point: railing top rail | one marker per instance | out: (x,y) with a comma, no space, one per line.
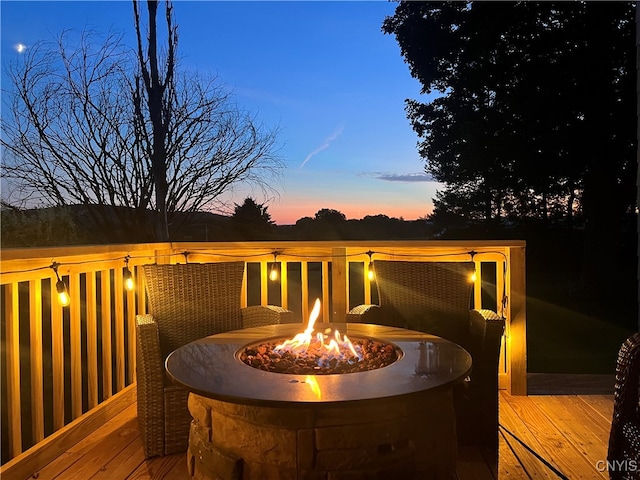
(9,254)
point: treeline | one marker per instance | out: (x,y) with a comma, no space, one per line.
(72,225)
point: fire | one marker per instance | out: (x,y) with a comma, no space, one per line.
(321,345)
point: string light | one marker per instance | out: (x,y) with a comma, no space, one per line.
(127,275)
(474,275)
(63,293)
(64,298)
(370,273)
(273,273)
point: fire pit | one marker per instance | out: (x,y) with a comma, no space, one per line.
(395,421)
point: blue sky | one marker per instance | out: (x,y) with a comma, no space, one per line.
(321,71)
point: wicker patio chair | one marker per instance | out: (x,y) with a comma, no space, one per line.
(624,439)
(186,302)
(435,297)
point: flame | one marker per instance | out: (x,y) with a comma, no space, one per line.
(301,342)
(323,346)
(313,383)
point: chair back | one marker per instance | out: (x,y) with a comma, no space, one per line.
(624,438)
(432,297)
(193,300)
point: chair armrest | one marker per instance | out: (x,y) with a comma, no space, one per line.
(479,400)
(150,378)
(364,314)
(485,330)
(149,361)
(485,338)
(261,315)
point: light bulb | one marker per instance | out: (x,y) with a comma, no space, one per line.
(63,294)
(273,274)
(474,276)
(128,280)
(370,272)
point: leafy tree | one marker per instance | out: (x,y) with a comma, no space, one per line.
(252,212)
(536,112)
(252,220)
(329,224)
(126,132)
(330,215)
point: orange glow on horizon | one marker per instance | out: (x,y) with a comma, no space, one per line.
(289,214)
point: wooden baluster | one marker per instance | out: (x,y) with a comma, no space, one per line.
(92,341)
(340,283)
(57,358)
(284,287)
(12,341)
(118,287)
(477,285)
(244,292)
(304,283)
(131,335)
(264,283)
(107,354)
(75,345)
(326,298)
(36,349)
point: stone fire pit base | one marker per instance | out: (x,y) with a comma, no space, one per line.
(410,437)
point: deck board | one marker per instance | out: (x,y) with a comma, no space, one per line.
(121,466)
(171,467)
(525,422)
(592,420)
(603,404)
(569,431)
(581,442)
(84,459)
(509,466)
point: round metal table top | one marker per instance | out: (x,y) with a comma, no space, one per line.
(210,367)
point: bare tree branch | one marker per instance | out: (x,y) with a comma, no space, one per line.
(96,123)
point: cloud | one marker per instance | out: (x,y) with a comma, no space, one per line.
(402,177)
(324,145)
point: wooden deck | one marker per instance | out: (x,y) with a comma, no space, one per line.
(541,436)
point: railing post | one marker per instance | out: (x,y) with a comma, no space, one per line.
(516,329)
(339,284)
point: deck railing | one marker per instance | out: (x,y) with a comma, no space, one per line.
(62,362)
